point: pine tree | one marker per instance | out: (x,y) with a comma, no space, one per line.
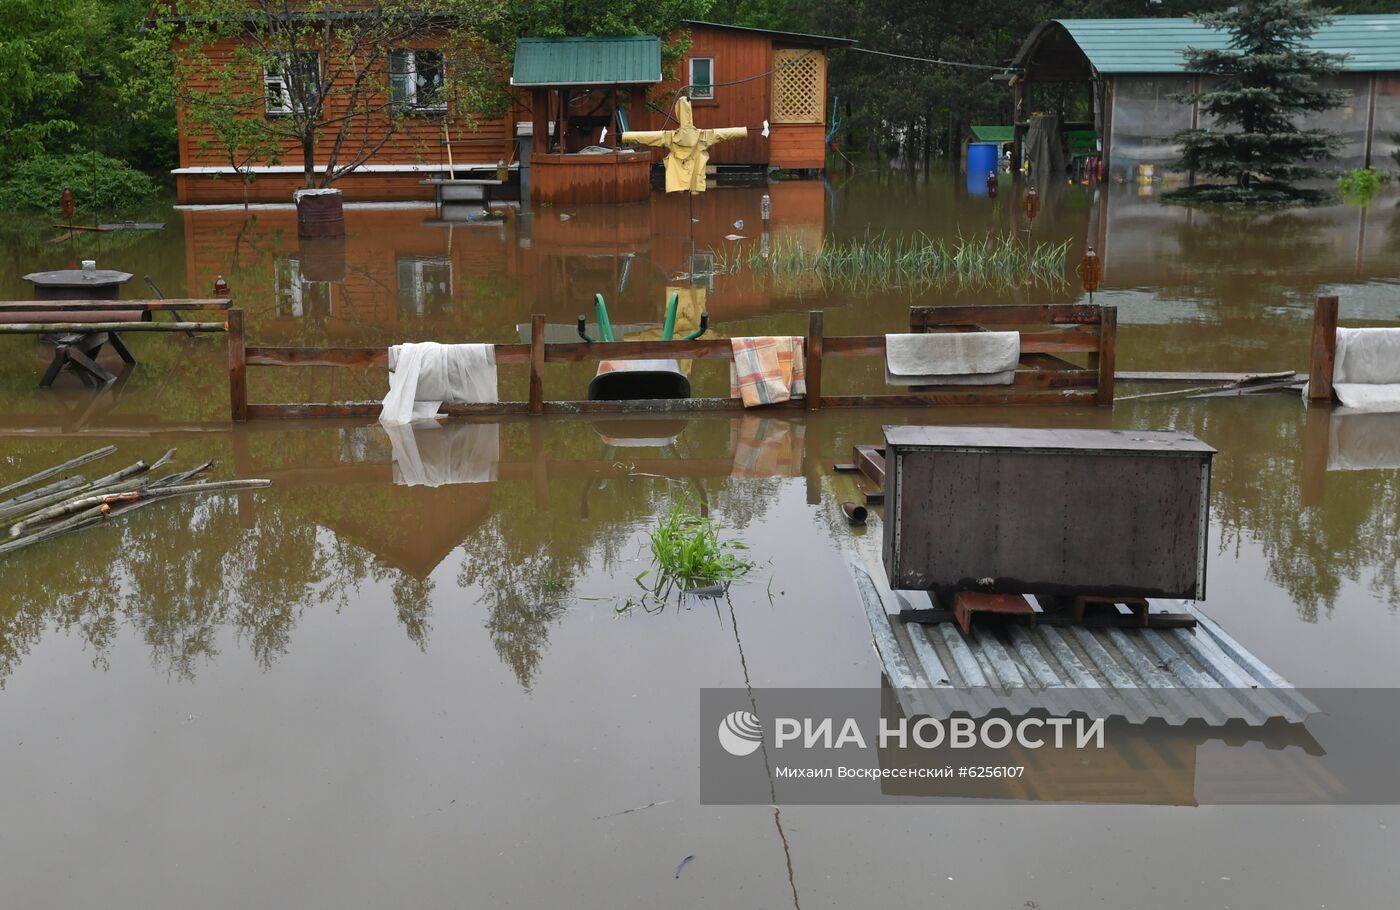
(1267,80)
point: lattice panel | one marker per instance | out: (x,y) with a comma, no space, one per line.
(799,86)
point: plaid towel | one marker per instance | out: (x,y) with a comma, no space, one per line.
(767,369)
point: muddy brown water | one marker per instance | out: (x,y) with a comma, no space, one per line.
(343,691)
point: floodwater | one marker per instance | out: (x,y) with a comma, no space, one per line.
(344,691)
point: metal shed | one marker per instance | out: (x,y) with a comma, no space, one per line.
(1134,67)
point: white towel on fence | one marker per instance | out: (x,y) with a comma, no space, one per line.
(422,376)
(430,454)
(1367,372)
(952,358)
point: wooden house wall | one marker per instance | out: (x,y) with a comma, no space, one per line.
(739,55)
(418,141)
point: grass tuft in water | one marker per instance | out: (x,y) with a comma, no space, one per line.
(879,262)
(689,553)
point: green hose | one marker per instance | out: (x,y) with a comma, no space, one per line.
(605,332)
(672,305)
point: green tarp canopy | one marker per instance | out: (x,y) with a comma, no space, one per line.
(549,62)
(993,133)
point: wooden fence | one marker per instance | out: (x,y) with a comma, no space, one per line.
(1043,378)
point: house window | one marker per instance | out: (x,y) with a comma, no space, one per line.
(416,80)
(799,85)
(702,77)
(297,77)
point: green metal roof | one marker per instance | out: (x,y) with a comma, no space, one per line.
(994,133)
(629,60)
(1371,43)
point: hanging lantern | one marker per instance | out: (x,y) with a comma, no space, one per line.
(502,171)
(1090,271)
(1032,204)
(991,183)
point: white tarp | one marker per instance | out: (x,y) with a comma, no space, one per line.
(1367,371)
(424,375)
(952,358)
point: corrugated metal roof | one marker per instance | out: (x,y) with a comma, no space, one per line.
(1370,43)
(1176,675)
(626,60)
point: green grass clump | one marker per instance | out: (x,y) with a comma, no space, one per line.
(877,262)
(689,553)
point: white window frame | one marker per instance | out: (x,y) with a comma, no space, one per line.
(709,92)
(410,105)
(276,81)
(416,269)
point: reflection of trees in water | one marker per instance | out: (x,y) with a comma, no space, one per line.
(1255,491)
(182,573)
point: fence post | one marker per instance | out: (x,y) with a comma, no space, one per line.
(1324,349)
(237,368)
(814,359)
(1108,341)
(537,364)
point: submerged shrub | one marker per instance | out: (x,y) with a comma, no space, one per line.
(98,183)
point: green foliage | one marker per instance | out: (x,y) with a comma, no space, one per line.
(1362,184)
(83,74)
(689,553)
(877,262)
(1266,81)
(99,184)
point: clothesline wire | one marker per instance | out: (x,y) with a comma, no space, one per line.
(973,66)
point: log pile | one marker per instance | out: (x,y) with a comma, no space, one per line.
(74,503)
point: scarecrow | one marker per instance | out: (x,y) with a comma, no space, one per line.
(689,148)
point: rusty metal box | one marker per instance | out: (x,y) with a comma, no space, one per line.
(1046,511)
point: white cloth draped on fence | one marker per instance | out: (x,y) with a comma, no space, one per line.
(952,358)
(424,375)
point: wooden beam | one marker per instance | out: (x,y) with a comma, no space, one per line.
(814,352)
(47,328)
(1324,349)
(237,369)
(1010,314)
(149,306)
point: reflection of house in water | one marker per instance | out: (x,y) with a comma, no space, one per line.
(400,270)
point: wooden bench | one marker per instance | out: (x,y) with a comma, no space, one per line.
(78,330)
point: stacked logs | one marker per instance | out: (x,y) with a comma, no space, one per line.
(74,503)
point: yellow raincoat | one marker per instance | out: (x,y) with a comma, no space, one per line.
(689,148)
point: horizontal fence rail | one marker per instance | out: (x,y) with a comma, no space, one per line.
(1042,379)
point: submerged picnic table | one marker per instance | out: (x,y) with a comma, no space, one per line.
(79,329)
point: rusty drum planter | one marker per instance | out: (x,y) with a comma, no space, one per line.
(320,214)
(1043,511)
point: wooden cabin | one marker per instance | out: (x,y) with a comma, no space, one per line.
(755,75)
(736,76)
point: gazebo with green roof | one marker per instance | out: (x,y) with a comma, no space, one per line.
(1127,72)
(575,84)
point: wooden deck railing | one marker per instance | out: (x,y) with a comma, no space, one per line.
(1044,378)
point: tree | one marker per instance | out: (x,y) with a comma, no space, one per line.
(1267,80)
(328,78)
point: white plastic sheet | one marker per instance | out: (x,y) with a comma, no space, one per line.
(424,375)
(1366,376)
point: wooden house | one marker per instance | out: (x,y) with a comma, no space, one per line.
(736,77)
(754,75)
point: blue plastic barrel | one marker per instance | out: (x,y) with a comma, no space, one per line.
(981,160)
